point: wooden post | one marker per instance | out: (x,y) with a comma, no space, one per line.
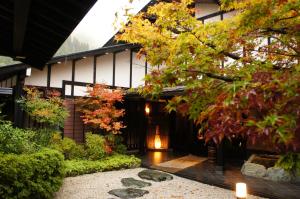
(220,157)
(17,94)
(143,126)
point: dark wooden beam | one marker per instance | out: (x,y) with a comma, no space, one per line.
(130,72)
(146,66)
(49,75)
(17,94)
(21,10)
(114,70)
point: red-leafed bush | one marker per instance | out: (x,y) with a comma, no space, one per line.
(99,108)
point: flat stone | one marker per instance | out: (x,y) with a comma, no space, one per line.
(131,182)
(254,170)
(278,175)
(156,176)
(128,193)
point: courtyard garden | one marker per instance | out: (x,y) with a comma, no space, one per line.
(35,161)
(236,83)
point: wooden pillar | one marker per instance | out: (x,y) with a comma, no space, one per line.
(17,94)
(143,126)
(220,157)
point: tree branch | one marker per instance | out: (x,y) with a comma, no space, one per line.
(215,76)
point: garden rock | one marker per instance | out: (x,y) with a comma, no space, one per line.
(278,175)
(154,175)
(128,193)
(131,182)
(254,170)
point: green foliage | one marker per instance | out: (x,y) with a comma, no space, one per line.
(290,162)
(36,175)
(96,146)
(67,146)
(16,140)
(241,75)
(43,136)
(50,110)
(116,143)
(114,162)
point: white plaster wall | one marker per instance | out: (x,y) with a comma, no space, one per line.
(84,70)
(213,19)
(68,89)
(80,91)
(104,69)
(122,77)
(203,9)
(60,72)
(37,77)
(229,14)
(138,70)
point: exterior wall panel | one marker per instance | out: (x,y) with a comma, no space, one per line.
(84,70)
(60,72)
(122,69)
(203,9)
(37,78)
(104,69)
(138,71)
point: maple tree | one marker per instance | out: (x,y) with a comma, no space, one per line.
(241,74)
(99,108)
(45,108)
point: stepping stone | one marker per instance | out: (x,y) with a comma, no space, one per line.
(128,193)
(131,182)
(156,176)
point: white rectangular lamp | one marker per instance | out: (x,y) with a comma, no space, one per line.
(241,190)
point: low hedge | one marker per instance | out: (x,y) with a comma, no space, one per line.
(114,162)
(36,175)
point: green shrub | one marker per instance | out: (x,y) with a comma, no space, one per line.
(116,143)
(290,162)
(67,146)
(36,175)
(43,136)
(96,147)
(16,140)
(114,162)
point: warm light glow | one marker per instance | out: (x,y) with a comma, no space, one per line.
(241,190)
(157,142)
(157,157)
(147,109)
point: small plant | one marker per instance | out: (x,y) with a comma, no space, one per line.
(16,140)
(99,108)
(116,143)
(49,110)
(114,162)
(36,175)
(290,162)
(67,146)
(96,147)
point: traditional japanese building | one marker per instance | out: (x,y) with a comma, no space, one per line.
(116,65)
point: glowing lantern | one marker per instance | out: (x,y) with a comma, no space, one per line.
(147,109)
(241,190)
(157,140)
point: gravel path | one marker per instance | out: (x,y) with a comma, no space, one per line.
(97,185)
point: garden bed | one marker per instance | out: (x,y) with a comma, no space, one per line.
(114,162)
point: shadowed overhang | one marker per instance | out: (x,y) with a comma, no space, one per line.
(33,30)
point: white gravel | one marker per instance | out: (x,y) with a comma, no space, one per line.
(97,185)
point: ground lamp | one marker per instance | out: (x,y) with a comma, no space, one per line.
(241,190)
(157,140)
